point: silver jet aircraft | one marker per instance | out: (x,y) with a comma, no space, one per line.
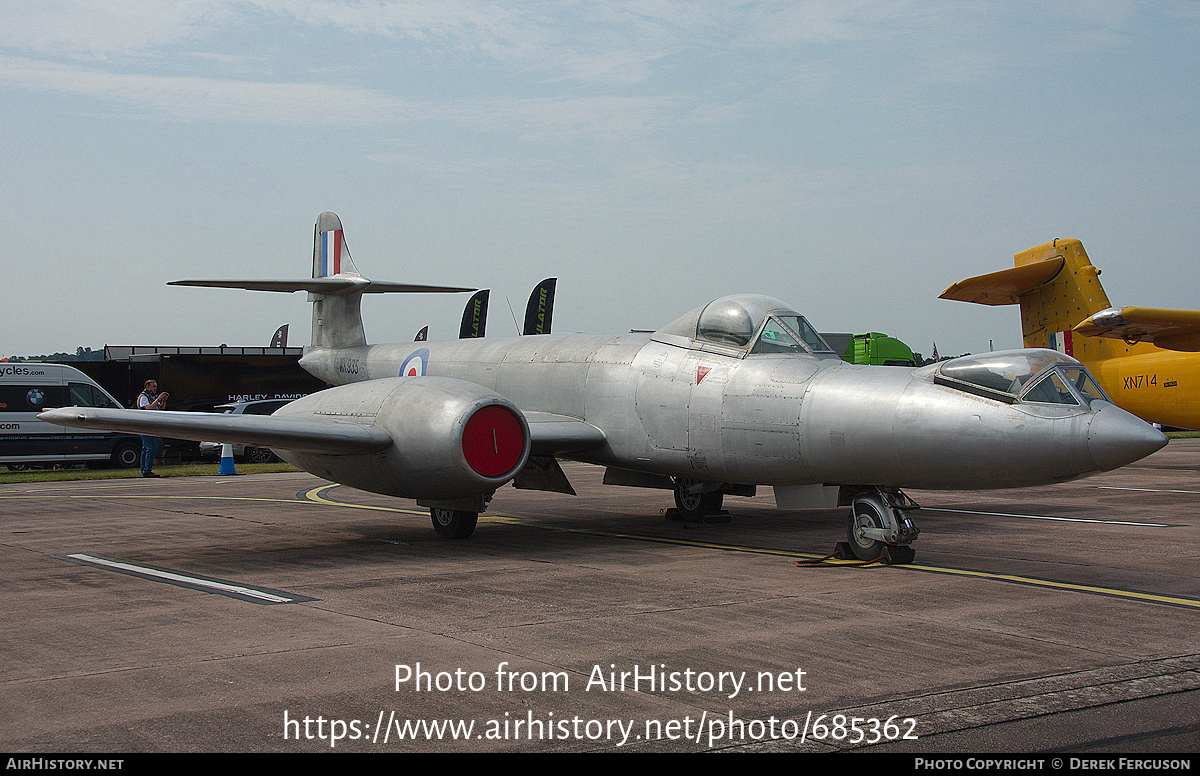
(737,393)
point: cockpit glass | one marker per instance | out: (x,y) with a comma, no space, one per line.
(775,338)
(1085,384)
(800,326)
(1051,389)
(742,324)
(1042,376)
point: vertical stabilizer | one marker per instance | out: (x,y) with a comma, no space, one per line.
(337,318)
(331,257)
(1057,288)
(1050,311)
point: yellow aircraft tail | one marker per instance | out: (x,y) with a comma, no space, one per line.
(1064,307)
(1057,288)
(1144,358)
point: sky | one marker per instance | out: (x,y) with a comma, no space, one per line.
(850,158)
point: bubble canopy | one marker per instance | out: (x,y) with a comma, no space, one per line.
(1033,375)
(745,324)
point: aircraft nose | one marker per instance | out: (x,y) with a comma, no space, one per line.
(1116,437)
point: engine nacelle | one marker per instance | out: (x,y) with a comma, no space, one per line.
(451,439)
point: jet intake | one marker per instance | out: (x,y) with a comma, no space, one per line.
(493,441)
(450,439)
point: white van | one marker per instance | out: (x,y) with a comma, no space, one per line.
(27,388)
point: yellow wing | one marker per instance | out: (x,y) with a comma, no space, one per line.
(1168,329)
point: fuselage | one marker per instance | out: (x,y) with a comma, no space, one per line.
(1155,384)
(766,419)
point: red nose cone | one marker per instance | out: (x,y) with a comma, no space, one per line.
(493,441)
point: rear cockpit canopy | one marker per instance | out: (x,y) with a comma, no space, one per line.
(744,324)
(1033,375)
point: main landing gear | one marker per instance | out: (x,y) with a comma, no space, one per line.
(880,527)
(453,523)
(456,519)
(696,499)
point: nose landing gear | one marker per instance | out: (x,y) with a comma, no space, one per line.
(880,526)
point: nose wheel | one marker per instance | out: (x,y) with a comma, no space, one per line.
(694,503)
(880,526)
(453,523)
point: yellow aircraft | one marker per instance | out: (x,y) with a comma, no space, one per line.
(1147,360)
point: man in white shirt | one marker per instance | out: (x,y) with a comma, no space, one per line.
(150,399)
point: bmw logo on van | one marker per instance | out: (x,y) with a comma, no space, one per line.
(36,397)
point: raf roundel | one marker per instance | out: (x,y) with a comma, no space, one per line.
(414,365)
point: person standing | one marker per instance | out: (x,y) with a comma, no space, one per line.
(150,399)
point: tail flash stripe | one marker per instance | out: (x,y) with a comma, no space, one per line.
(1062,341)
(331,252)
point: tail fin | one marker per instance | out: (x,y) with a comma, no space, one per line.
(336,316)
(1057,288)
(331,257)
(335,289)
(1050,312)
(1064,307)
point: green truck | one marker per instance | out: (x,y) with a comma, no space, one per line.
(878,349)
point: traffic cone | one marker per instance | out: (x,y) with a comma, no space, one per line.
(226,460)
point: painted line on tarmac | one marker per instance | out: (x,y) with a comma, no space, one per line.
(1144,490)
(1131,595)
(251,593)
(1048,517)
(80,488)
(313,496)
(1108,592)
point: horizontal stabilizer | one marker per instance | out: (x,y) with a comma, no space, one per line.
(1168,329)
(332,437)
(1006,286)
(554,434)
(328,285)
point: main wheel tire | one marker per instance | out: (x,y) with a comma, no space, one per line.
(694,506)
(260,455)
(453,523)
(127,455)
(865,514)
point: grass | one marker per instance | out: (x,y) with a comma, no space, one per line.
(183,470)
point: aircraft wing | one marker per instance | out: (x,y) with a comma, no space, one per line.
(1169,329)
(553,434)
(330,436)
(1006,286)
(549,434)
